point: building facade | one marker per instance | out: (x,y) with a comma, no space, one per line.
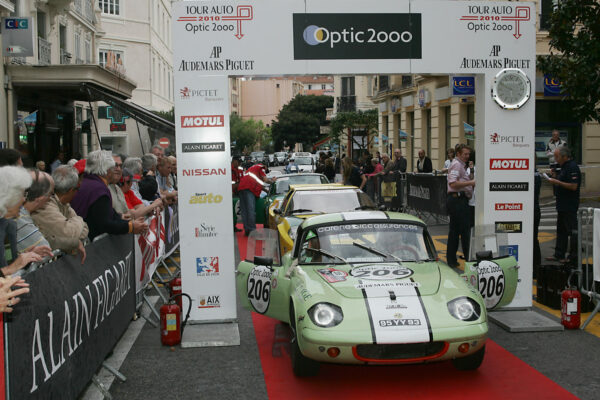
(419,112)
(137,42)
(262,99)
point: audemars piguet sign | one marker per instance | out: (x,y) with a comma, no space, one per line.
(216,39)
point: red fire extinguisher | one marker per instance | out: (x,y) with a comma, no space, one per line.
(171,328)
(175,288)
(570,302)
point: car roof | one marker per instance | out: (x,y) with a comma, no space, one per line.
(361,216)
(323,186)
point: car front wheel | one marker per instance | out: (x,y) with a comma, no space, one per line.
(301,365)
(470,362)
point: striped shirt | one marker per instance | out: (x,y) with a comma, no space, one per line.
(28,234)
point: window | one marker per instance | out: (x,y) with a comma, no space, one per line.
(77,46)
(107,58)
(309,87)
(323,87)
(41,24)
(448,127)
(109,7)
(348,86)
(546,13)
(88,51)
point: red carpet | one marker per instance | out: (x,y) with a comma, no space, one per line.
(501,376)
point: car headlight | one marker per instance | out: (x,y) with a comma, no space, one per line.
(325,315)
(464,309)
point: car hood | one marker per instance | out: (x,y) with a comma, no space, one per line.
(379,279)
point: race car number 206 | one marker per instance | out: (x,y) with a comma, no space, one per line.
(259,288)
(381,272)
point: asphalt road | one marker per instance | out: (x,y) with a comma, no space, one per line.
(570,358)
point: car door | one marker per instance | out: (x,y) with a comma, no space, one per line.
(261,279)
(496,279)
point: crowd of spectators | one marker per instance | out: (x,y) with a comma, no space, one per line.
(43,215)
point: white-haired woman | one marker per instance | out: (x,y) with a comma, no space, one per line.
(13,181)
(93,201)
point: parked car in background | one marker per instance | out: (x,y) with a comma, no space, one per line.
(281,158)
(271,160)
(259,157)
(305,163)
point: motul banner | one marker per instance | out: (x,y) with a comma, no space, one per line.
(59,334)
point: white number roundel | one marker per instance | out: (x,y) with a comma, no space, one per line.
(491,283)
(259,288)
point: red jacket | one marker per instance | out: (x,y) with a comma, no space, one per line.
(253,179)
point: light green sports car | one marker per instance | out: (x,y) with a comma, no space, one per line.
(366,287)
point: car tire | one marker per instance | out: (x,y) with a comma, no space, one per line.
(470,362)
(301,365)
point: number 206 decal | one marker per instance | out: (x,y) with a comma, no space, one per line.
(259,288)
(491,283)
(381,272)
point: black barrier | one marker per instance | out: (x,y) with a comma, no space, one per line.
(427,193)
(59,334)
(171,229)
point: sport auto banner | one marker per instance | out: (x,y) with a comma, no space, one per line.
(59,334)
(426,193)
(171,223)
(149,249)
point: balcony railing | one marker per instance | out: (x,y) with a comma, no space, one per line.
(44,51)
(346,104)
(65,57)
(85,8)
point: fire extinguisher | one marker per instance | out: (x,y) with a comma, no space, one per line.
(175,289)
(171,328)
(570,302)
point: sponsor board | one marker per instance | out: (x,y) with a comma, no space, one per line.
(508,226)
(203,171)
(209,301)
(202,121)
(205,230)
(509,164)
(509,186)
(420,192)
(357,36)
(508,207)
(463,86)
(514,140)
(204,198)
(207,266)
(202,147)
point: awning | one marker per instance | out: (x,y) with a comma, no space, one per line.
(133,110)
(321,142)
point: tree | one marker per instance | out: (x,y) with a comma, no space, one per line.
(300,120)
(575,55)
(359,123)
(168,115)
(246,134)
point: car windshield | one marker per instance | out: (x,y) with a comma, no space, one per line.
(280,154)
(358,242)
(303,160)
(282,185)
(328,201)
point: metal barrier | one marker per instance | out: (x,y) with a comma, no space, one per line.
(426,196)
(585,256)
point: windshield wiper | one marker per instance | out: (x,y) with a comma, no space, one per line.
(326,253)
(366,207)
(375,251)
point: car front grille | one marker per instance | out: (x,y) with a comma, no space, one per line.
(400,352)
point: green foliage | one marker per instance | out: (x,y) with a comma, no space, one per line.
(247,134)
(299,121)
(575,55)
(360,123)
(168,115)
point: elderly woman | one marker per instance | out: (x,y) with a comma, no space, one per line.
(13,181)
(93,201)
(136,207)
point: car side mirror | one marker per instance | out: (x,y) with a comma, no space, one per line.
(484,255)
(267,261)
